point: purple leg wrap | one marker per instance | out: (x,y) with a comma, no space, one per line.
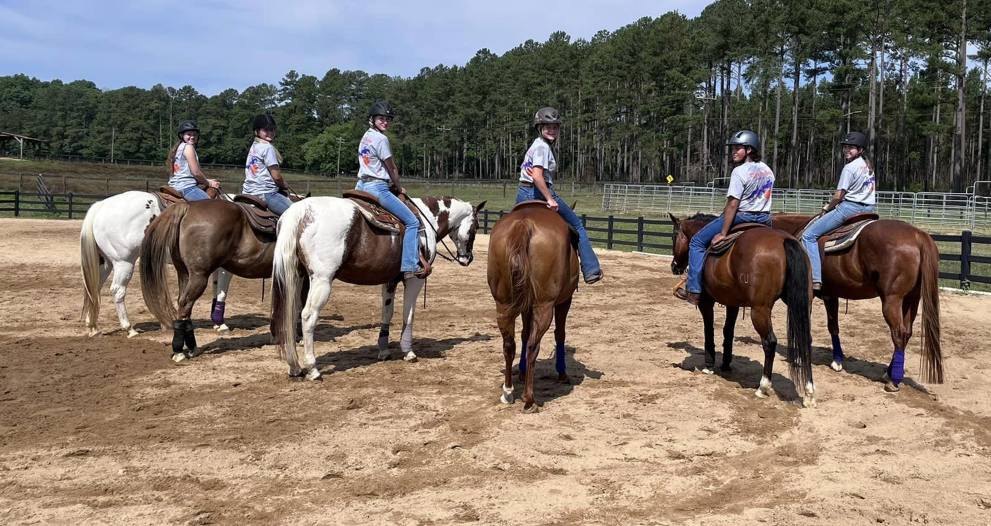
(523,358)
(837,349)
(559,363)
(217,316)
(896,371)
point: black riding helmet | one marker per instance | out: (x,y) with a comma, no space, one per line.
(745,138)
(856,139)
(186,126)
(260,122)
(547,115)
(381,108)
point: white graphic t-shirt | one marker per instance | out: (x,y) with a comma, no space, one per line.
(858,181)
(539,154)
(182,178)
(752,183)
(373,150)
(257,179)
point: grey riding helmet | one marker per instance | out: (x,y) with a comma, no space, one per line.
(547,115)
(745,138)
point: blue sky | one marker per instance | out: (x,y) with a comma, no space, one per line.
(218,44)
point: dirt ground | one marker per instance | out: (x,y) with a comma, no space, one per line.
(109,431)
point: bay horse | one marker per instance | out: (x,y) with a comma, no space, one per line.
(326,238)
(533,272)
(897,262)
(110,240)
(762,266)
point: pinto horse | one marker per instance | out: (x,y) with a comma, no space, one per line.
(533,271)
(110,240)
(899,263)
(326,238)
(762,266)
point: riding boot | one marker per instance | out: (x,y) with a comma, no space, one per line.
(178,334)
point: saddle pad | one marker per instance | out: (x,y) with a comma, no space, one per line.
(166,199)
(262,221)
(718,248)
(843,237)
(374,214)
(251,200)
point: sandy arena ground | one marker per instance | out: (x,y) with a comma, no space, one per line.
(109,431)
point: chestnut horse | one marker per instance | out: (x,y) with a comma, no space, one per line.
(761,266)
(899,263)
(200,237)
(533,271)
(326,238)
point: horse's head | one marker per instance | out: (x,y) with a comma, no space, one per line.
(464,226)
(680,261)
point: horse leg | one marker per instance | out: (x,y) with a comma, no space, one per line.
(891,307)
(316,298)
(192,288)
(105,268)
(524,334)
(728,332)
(123,270)
(411,289)
(388,308)
(560,321)
(706,305)
(761,317)
(833,324)
(507,327)
(542,315)
(221,283)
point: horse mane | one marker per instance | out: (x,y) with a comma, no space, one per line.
(700,216)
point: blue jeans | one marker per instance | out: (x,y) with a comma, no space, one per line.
(589,263)
(380,189)
(277,202)
(830,221)
(194,193)
(700,243)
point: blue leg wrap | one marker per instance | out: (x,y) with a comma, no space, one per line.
(896,371)
(559,364)
(217,315)
(837,349)
(523,358)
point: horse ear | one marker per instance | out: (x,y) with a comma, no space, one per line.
(574,205)
(674,219)
(480,205)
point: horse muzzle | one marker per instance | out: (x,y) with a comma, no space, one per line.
(677,270)
(464,261)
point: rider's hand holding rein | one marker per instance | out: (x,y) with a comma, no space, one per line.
(191,138)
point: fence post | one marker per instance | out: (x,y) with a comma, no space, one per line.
(108,188)
(640,234)
(485,221)
(452,187)
(147,187)
(65,189)
(427,191)
(609,234)
(340,191)
(505,185)
(965,246)
(70,206)
(20,181)
(17,202)
(585,220)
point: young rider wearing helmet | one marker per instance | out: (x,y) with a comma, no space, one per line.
(537,182)
(854,195)
(262,176)
(376,170)
(748,200)
(186,176)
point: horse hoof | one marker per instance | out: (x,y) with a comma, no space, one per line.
(726,369)
(410,357)
(179,357)
(531,409)
(222,329)
(706,370)
(314,375)
(383,356)
(809,402)
(760,393)
(193,353)
(95,334)
(507,397)
(131,333)
(891,387)
(837,366)
(563,378)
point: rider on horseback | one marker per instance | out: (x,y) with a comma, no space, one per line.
(262,176)
(854,195)
(375,171)
(748,200)
(187,177)
(537,182)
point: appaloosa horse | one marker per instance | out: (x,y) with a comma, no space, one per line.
(328,238)
(762,266)
(533,272)
(897,262)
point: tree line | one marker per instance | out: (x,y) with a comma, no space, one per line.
(655,98)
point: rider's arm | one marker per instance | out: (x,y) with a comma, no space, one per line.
(276,173)
(390,165)
(729,213)
(835,201)
(194,167)
(541,185)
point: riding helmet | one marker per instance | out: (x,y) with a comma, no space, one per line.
(547,115)
(186,126)
(381,108)
(745,138)
(856,139)
(263,121)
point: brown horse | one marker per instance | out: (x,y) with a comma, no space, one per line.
(200,237)
(761,266)
(533,271)
(329,239)
(897,262)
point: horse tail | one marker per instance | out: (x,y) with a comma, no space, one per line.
(932,353)
(285,286)
(90,257)
(799,302)
(161,241)
(525,287)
